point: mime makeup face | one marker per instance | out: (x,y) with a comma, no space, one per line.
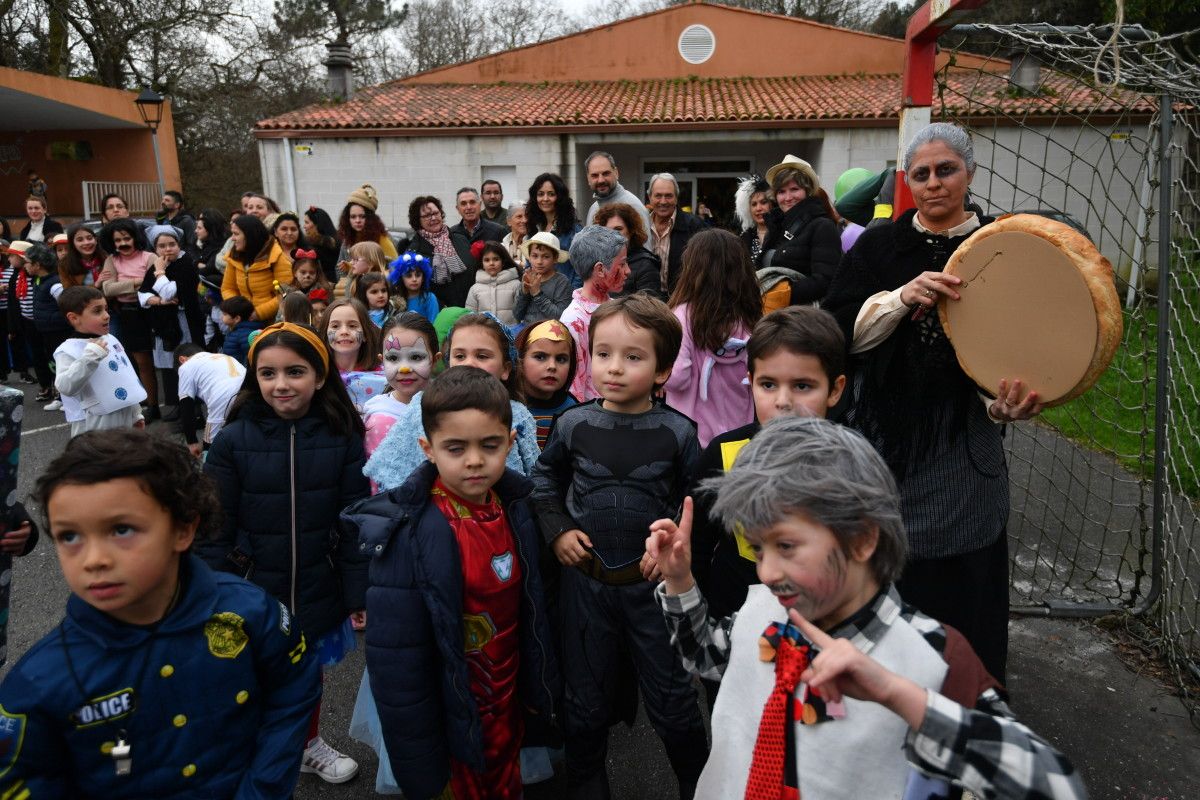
(407,362)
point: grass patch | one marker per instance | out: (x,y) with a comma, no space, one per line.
(1117,415)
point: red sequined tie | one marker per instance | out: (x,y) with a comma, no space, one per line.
(766,768)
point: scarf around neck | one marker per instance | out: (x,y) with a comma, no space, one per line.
(445,258)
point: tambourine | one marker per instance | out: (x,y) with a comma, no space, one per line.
(1038,303)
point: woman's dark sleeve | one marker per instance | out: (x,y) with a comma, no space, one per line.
(825,250)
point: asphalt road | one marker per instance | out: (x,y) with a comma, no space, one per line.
(1129,736)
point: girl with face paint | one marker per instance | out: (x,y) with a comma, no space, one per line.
(354,341)
(409,351)
(547,366)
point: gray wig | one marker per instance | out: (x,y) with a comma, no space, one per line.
(594,245)
(952,136)
(822,470)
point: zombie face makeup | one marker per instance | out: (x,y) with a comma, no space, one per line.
(407,363)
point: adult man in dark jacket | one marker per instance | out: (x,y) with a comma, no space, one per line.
(473,225)
(670,228)
(173,213)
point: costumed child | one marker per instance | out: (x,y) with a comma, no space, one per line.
(547,355)
(22,329)
(165,679)
(412,272)
(497,284)
(796,359)
(475,340)
(13,342)
(355,344)
(831,686)
(170,291)
(319,298)
(95,398)
(610,468)
(374,292)
(545,292)
(716,300)
(288,460)
(458,645)
(209,379)
(410,349)
(307,273)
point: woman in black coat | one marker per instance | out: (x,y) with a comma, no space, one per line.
(942,438)
(40,227)
(803,238)
(450,253)
(645,268)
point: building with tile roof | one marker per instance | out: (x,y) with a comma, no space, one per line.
(705,91)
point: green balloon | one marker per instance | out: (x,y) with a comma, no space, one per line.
(849,179)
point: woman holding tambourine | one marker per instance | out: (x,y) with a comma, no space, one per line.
(940,435)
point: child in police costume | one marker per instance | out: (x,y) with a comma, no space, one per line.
(165,679)
(458,646)
(831,686)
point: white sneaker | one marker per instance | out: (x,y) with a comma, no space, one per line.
(53,405)
(329,764)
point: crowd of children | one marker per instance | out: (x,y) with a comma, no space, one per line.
(537,508)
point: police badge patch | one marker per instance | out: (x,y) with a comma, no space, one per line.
(502,565)
(226,634)
(12,735)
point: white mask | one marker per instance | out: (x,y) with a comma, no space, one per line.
(406,362)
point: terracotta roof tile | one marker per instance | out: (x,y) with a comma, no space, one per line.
(713,102)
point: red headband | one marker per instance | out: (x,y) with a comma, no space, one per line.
(311,255)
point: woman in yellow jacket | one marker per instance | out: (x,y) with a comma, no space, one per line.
(255,266)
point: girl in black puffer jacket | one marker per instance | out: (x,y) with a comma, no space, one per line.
(288,460)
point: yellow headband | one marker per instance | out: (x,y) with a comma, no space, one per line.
(304,333)
(551,329)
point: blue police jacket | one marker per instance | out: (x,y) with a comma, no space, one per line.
(415,654)
(213,701)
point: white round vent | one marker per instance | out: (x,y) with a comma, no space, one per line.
(696,44)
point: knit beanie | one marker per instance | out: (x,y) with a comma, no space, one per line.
(364,196)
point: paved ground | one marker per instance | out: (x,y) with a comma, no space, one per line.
(1129,736)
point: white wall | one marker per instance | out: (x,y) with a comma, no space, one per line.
(327,170)
(1081,170)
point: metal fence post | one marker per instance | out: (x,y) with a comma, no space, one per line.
(1162,378)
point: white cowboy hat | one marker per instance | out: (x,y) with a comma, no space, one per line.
(794,162)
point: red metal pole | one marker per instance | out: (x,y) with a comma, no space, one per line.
(926,24)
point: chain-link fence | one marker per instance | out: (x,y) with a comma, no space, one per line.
(1103,132)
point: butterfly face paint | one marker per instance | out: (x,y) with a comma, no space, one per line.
(407,362)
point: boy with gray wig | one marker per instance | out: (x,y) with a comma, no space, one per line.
(846,675)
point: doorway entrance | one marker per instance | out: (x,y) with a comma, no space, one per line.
(708,181)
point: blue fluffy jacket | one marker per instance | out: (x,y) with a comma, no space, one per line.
(415,653)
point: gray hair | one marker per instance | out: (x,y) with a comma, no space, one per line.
(662,176)
(587,162)
(514,207)
(594,245)
(820,469)
(466,190)
(952,136)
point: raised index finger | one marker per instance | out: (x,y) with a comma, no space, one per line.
(811,632)
(685,520)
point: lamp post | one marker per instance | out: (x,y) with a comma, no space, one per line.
(150,107)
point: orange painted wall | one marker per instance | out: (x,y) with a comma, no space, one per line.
(123,154)
(747,44)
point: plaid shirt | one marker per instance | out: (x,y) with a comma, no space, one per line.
(985,749)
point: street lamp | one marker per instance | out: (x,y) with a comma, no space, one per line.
(150,106)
